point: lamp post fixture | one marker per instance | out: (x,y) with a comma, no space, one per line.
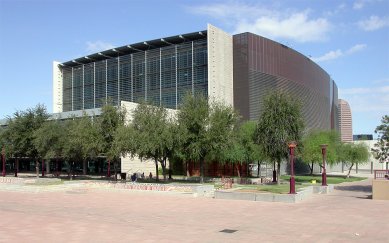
(323,174)
(3,155)
(292,184)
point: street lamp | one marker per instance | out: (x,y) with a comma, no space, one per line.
(323,174)
(3,155)
(292,184)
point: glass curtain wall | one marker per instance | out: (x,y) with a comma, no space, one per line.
(160,76)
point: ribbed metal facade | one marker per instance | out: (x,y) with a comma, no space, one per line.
(262,65)
(161,76)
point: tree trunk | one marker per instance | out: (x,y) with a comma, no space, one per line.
(247,170)
(163,165)
(43,168)
(156,170)
(84,167)
(202,170)
(258,168)
(237,170)
(274,172)
(311,168)
(37,168)
(47,167)
(187,169)
(57,167)
(163,171)
(349,170)
(115,169)
(278,172)
(109,169)
(16,167)
(73,170)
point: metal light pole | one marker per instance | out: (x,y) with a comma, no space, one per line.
(292,184)
(324,175)
(3,155)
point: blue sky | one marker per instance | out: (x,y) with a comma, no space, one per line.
(349,39)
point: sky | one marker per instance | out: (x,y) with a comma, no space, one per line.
(349,39)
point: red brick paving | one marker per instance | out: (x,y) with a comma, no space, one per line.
(101,216)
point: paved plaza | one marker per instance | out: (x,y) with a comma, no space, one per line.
(81,215)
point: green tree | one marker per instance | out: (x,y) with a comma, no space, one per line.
(311,151)
(19,135)
(83,141)
(351,154)
(280,122)
(49,140)
(152,133)
(108,122)
(381,148)
(205,129)
(243,148)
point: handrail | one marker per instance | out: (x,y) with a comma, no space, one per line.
(381,174)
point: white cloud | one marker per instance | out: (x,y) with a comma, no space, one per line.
(358,5)
(287,24)
(356,48)
(373,23)
(339,53)
(368,105)
(97,46)
(297,27)
(328,56)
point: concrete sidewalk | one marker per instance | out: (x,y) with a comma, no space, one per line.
(347,215)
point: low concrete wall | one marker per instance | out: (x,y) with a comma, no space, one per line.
(11,180)
(381,189)
(302,194)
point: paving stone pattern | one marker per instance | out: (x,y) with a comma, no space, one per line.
(80,215)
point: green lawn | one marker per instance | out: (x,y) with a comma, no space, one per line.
(330,179)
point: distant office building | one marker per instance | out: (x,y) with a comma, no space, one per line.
(359,137)
(345,121)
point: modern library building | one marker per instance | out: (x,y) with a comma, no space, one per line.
(238,70)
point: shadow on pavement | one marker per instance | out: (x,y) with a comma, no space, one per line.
(367,197)
(355,188)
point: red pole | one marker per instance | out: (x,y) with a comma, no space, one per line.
(43,168)
(109,168)
(292,182)
(3,155)
(324,174)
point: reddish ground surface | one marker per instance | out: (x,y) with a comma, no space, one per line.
(347,215)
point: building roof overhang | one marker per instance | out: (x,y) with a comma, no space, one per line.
(137,47)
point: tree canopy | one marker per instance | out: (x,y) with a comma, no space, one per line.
(381,148)
(311,151)
(152,133)
(351,154)
(280,122)
(205,129)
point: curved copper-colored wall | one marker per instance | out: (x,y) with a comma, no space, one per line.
(262,65)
